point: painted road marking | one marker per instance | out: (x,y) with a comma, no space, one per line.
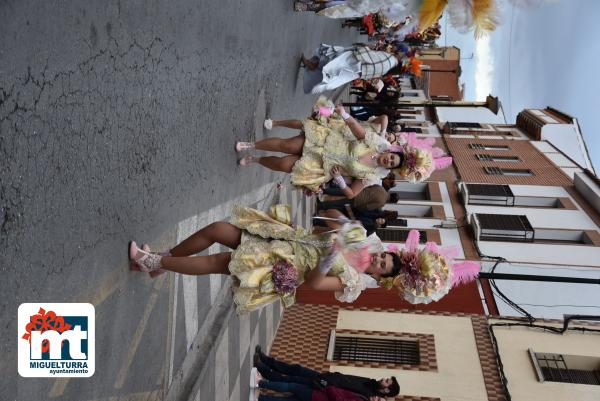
(137,337)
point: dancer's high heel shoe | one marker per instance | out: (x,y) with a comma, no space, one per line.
(156,273)
(145,260)
(133,264)
(246,160)
(241,146)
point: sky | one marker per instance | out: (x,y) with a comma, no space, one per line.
(547,55)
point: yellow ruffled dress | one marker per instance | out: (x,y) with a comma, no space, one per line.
(267,239)
(329,142)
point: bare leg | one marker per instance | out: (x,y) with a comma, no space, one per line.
(291,146)
(293,124)
(274,163)
(198,265)
(220,231)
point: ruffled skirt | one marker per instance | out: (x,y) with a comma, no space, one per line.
(265,241)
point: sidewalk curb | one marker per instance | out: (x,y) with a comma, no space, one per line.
(186,381)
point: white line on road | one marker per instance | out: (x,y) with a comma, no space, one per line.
(137,337)
(190,294)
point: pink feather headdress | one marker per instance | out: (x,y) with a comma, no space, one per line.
(428,274)
(421,157)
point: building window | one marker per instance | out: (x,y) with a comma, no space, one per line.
(376,349)
(417,210)
(497,158)
(409,191)
(503,227)
(513,228)
(484,194)
(502,195)
(566,237)
(481,146)
(397,223)
(397,235)
(410,111)
(410,94)
(566,368)
(445,98)
(465,125)
(521,172)
(407,117)
(411,129)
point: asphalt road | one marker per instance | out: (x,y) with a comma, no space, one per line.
(117,121)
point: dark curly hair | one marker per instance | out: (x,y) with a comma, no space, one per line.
(397,265)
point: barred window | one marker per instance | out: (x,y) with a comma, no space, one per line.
(376,349)
(504,227)
(497,158)
(485,194)
(522,172)
(565,368)
(481,146)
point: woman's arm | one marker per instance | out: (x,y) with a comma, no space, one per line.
(333,214)
(383,121)
(357,129)
(320,282)
(349,191)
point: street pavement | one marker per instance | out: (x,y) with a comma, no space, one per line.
(117,122)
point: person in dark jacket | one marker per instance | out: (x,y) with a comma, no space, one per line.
(371,220)
(274,370)
(302,392)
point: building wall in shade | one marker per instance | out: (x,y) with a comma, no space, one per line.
(457,357)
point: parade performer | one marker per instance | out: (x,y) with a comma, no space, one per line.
(337,145)
(270,258)
(464,15)
(428,273)
(334,66)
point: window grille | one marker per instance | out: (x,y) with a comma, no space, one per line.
(485,194)
(382,350)
(480,146)
(395,235)
(496,158)
(553,368)
(503,227)
(507,171)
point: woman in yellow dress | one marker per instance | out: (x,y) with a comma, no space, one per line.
(270,258)
(329,147)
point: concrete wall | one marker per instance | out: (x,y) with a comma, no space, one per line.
(551,218)
(459,376)
(523,383)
